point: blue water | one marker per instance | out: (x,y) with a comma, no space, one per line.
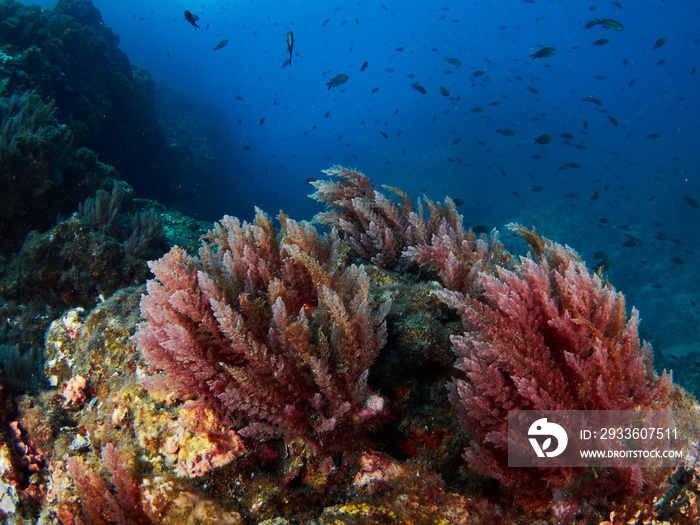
(627,184)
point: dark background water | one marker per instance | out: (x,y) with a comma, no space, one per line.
(628,185)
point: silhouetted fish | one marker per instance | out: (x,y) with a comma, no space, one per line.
(290,45)
(220,44)
(338,80)
(544,52)
(192,19)
(419,88)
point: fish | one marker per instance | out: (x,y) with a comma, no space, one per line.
(444,91)
(338,80)
(543,139)
(596,101)
(220,44)
(364,66)
(609,23)
(632,242)
(419,88)
(454,61)
(290,45)
(653,136)
(478,73)
(507,132)
(660,42)
(692,202)
(566,136)
(192,19)
(600,42)
(374,90)
(590,24)
(613,121)
(544,52)
(384,135)
(262,121)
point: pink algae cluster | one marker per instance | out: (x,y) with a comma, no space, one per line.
(298,377)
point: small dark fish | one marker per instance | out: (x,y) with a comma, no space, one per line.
(338,80)
(660,42)
(456,141)
(458,202)
(454,61)
(600,42)
(364,66)
(632,82)
(262,121)
(478,73)
(596,101)
(507,132)
(544,52)
(533,90)
(609,23)
(247,148)
(290,45)
(596,196)
(444,91)
(220,44)
(328,113)
(661,62)
(285,63)
(603,220)
(632,242)
(495,103)
(691,202)
(566,136)
(543,139)
(477,109)
(375,90)
(192,19)
(419,88)
(678,260)
(590,24)
(384,135)
(653,136)
(613,120)
(538,188)
(309,180)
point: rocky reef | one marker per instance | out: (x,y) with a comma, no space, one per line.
(281,376)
